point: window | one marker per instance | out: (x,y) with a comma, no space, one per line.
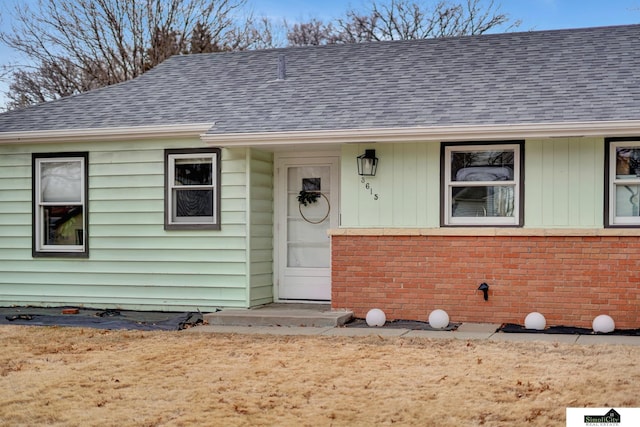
(60,204)
(482,184)
(192,191)
(622,158)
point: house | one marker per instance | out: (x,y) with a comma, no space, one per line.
(507,159)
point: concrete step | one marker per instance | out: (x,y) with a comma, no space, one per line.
(279,314)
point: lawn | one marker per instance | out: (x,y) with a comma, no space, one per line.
(73,376)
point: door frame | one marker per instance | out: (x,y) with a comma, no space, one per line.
(280,209)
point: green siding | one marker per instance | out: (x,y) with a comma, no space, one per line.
(563,185)
(261,228)
(133,262)
(407,184)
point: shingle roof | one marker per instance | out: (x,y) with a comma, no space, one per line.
(588,74)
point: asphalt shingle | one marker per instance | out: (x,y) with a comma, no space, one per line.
(588,74)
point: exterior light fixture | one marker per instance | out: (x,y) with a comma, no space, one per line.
(367,163)
(438,319)
(535,321)
(604,324)
(485,290)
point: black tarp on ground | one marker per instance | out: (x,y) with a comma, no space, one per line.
(100,319)
(414,325)
(568,330)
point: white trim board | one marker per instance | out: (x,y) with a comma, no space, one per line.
(437,133)
(105,134)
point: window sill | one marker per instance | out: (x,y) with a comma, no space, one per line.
(484,231)
(47,254)
(188,226)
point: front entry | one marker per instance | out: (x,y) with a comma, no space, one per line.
(304,248)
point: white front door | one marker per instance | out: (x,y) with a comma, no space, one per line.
(304,250)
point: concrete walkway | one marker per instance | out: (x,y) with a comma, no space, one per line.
(278,314)
(291,319)
(321,320)
(466,331)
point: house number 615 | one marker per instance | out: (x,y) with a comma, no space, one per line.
(369,188)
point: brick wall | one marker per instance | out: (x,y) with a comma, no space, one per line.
(569,279)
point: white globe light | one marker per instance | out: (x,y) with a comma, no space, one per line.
(376,317)
(603,323)
(535,320)
(438,319)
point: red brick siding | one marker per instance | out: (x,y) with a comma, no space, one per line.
(570,280)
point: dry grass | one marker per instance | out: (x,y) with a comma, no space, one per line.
(69,376)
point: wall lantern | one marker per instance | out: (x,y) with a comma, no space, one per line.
(367,163)
(485,290)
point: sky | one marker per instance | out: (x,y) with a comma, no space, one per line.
(533,14)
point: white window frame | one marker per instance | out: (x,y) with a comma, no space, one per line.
(39,246)
(449,184)
(201,222)
(613,182)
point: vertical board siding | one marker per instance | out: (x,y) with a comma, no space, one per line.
(261,228)
(407,184)
(134,263)
(349,186)
(563,184)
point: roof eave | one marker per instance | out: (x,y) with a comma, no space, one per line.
(436,133)
(105,134)
(389,135)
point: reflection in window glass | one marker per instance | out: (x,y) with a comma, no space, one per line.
(624,184)
(482,201)
(482,166)
(627,162)
(481,186)
(63,225)
(192,189)
(60,204)
(627,200)
(193,203)
(61,181)
(198,171)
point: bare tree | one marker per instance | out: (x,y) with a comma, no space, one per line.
(404,20)
(165,43)
(312,33)
(202,39)
(252,34)
(79,45)
(93,43)
(34,87)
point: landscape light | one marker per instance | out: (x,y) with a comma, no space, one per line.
(535,321)
(604,324)
(376,317)
(438,319)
